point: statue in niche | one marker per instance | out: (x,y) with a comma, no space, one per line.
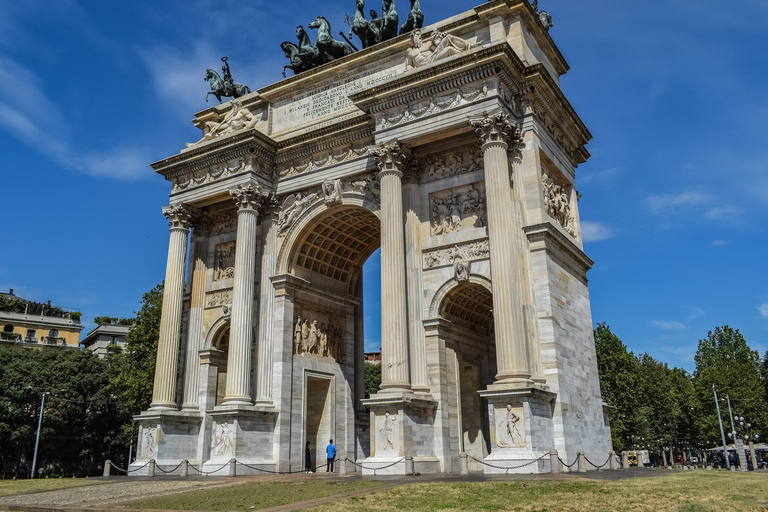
(461,269)
(224,261)
(415,18)
(332,191)
(222,439)
(225,86)
(509,427)
(293,206)
(388,431)
(557,201)
(440,47)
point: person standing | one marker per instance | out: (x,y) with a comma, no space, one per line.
(330,453)
(308,459)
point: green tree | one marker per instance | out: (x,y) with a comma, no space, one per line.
(372,378)
(725,360)
(81,423)
(133,369)
(619,372)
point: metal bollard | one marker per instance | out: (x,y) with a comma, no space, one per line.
(409,468)
(107,467)
(463,464)
(232,467)
(624,460)
(343,466)
(582,464)
(555,466)
(612,455)
(151,467)
(185,468)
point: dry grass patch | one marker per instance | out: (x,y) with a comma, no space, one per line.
(698,491)
(252,496)
(8,487)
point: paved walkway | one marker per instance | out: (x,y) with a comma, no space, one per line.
(106,495)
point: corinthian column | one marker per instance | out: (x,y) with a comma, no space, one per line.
(164,391)
(238,390)
(495,133)
(390,159)
(264,372)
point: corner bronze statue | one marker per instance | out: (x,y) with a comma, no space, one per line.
(304,56)
(415,18)
(224,87)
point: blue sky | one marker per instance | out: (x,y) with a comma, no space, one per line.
(674,195)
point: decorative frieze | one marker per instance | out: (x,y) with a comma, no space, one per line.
(441,46)
(557,200)
(450,209)
(219,172)
(332,191)
(459,162)
(459,252)
(367,186)
(224,261)
(223,223)
(435,105)
(319,334)
(321,160)
(218,298)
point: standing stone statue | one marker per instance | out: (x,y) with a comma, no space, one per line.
(224,87)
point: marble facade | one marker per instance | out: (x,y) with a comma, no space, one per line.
(456,156)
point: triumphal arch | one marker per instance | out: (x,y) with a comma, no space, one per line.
(453,149)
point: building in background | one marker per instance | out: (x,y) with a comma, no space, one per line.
(105,338)
(36,323)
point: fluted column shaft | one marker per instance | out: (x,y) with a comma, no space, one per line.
(265,373)
(167,365)
(196,311)
(395,372)
(238,388)
(495,132)
(416,337)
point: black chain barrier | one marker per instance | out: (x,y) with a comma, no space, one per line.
(169,471)
(379,468)
(506,469)
(126,471)
(601,465)
(205,473)
(569,466)
(313,470)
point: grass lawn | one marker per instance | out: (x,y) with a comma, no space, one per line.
(8,487)
(699,491)
(256,495)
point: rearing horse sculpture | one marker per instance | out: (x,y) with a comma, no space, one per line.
(388,20)
(218,89)
(331,48)
(368,32)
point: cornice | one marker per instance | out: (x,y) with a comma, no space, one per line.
(250,143)
(250,100)
(323,139)
(550,235)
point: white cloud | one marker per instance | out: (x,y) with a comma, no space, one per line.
(600,176)
(695,313)
(763,309)
(726,212)
(668,325)
(595,231)
(669,202)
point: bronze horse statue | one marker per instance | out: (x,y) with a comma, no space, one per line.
(331,48)
(368,32)
(218,88)
(303,57)
(415,18)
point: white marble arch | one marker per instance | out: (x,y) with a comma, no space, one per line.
(448,286)
(215,332)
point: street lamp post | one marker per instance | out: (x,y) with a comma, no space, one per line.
(37,438)
(722,431)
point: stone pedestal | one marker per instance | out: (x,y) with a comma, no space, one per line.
(244,433)
(401,426)
(163,436)
(521,429)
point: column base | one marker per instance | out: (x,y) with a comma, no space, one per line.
(402,425)
(163,406)
(237,401)
(521,424)
(243,432)
(168,436)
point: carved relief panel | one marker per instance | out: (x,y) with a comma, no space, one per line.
(224,261)
(457,208)
(557,198)
(222,442)
(510,427)
(387,434)
(319,334)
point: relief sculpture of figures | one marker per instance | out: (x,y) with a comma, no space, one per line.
(224,87)
(440,47)
(415,18)
(332,191)
(556,198)
(388,431)
(293,206)
(238,118)
(319,338)
(509,427)
(149,442)
(222,439)
(447,212)
(224,261)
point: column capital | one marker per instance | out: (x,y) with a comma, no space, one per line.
(179,215)
(248,197)
(496,130)
(390,157)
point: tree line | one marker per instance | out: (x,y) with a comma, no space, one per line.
(655,407)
